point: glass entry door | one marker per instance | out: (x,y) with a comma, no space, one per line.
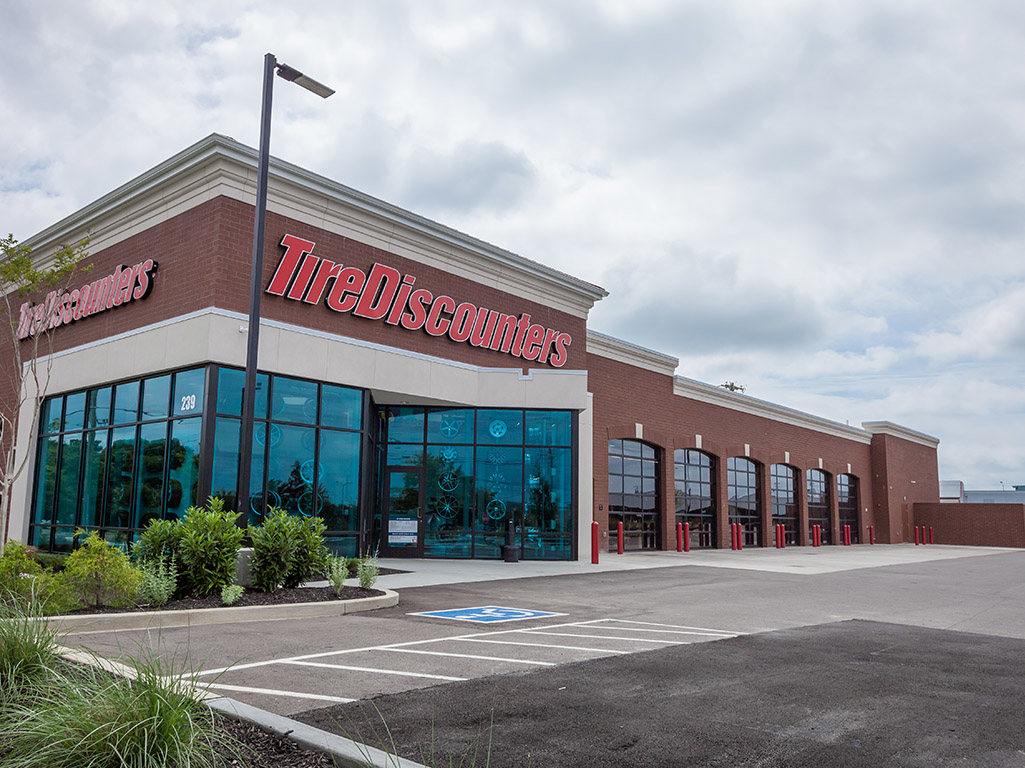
(403,514)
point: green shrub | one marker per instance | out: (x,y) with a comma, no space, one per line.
(161,539)
(209,545)
(337,572)
(52,561)
(17,572)
(159,580)
(310,556)
(100,574)
(97,720)
(367,572)
(273,548)
(231,593)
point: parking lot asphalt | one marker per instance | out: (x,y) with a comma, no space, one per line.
(291,666)
(852,693)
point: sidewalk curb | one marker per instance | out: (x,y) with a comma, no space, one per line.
(347,753)
(96,622)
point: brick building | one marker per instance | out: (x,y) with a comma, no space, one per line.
(419,390)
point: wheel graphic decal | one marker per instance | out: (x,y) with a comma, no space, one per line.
(494,457)
(449,427)
(306,471)
(449,454)
(496,480)
(496,509)
(498,428)
(447,507)
(448,481)
(272,500)
(261,434)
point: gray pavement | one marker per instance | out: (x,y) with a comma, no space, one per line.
(843,694)
(628,605)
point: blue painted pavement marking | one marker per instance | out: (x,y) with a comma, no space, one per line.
(488,614)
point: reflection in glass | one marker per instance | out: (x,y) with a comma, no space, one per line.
(499,427)
(294,400)
(448,499)
(70,473)
(50,415)
(120,477)
(224,479)
(46,479)
(339,482)
(188,392)
(290,470)
(183,466)
(149,500)
(549,428)
(74,411)
(126,403)
(341,407)
(405,424)
(98,408)
(156,393)
(93,476)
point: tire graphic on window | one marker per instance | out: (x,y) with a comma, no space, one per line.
(496,509)
(272,499)
(448,481)
(261,434)
(447,507)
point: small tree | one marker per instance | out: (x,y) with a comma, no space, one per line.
(25,337)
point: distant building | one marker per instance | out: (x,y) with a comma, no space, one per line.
(951,492)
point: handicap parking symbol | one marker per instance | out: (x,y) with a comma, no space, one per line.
(488,614)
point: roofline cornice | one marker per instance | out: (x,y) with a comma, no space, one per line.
(896,430)
(208,163)
(631,354)
(735,401)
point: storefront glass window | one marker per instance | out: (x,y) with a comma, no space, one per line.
(694,489)
(784,486)
(745,507)
(633,495)
(818,504)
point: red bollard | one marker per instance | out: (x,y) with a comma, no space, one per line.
(595,539)
(619,537)
(740,535)
(917,542)
(733,535)
(782,536)
(847,535)
(871,534)
(816,536)
(686,537)
(775,529)
(679,537)
(930,534)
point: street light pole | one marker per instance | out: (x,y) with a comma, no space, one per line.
(245,452)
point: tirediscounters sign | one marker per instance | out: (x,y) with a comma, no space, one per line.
(386,294)
(123,286)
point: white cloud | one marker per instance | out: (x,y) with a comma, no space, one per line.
(819,199)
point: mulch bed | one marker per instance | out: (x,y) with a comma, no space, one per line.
(265,750)
(249,597)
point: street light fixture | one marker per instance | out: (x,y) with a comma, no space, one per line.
(245,452)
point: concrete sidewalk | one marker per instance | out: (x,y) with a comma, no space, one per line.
(793,560)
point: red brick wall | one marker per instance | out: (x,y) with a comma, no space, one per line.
(625,395)
(989,525)
(904,473)
(237,223)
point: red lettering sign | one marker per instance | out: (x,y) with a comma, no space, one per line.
(386,294)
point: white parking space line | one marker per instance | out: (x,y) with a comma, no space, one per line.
(272,692)
(470,656)
(535,645)
(374,670)
(606,637)
(675,626)
(674,632)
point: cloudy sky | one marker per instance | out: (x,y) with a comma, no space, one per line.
(822,201)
